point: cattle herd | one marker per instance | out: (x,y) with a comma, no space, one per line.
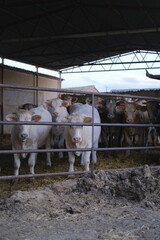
(75,136)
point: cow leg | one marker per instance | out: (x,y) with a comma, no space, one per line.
(61,145)
(86,160)
(17,164)
(31,162)
(94,155)
(128,140)
(105,139)
(48,146)
(138,140)
(60,155)
(71,161)
(82,163)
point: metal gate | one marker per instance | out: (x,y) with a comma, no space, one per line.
(92,149)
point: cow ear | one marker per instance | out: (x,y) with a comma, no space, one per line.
(12,117)
(36,118)
(88,100)
(120,105)
(87,120)
(65,119)
(100,106)
(66,103)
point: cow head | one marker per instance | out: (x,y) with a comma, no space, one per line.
(131,111)
(110,106)
(23,116)
(76,132)
(27,106)
(58,108)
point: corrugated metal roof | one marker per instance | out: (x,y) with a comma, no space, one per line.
(59,34)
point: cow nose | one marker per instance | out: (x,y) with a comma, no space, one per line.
(24,136)
(129,121)
(76,139)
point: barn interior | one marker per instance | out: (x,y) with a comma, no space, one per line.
(60,35)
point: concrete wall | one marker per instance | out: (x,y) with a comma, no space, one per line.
(11,98)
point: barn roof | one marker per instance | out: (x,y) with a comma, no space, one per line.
(63,33)
(90,88)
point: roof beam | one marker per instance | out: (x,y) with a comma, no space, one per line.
(82,35)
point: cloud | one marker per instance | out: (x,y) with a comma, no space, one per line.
(130,80)
(107,81)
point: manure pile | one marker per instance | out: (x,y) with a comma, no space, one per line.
(121,204)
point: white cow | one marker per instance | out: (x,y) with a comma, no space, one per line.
(25,137)
(58,109)
(81,136)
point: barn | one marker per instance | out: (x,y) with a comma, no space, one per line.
(119,198)
(66,35)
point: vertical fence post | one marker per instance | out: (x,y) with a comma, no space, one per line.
(92,151)
(2,96)
(36,85)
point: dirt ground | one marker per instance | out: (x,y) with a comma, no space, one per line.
(110,205)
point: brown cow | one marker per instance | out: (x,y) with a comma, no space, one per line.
(133,114)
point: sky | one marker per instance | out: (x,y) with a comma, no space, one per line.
(103,81)
(116,80)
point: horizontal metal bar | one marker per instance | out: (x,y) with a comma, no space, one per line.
(43,150)
(43,123)
(82,35)
(127,124)
(107,70)
(43,89)
(126,96)
(68,173)
(79,124)
(42,175)
(119,63)
(76,149)
(76,91)
(126,148)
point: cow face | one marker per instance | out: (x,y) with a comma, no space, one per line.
(23,116)
(76,132)
(110,108)
(131,111)
(58,108)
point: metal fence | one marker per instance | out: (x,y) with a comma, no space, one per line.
(92,149)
